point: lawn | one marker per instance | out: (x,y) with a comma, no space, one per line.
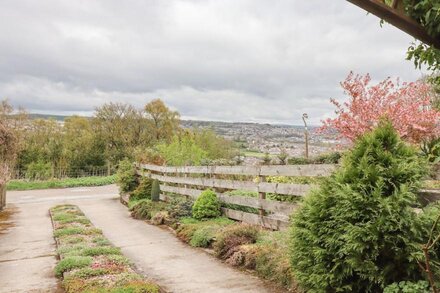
(60,183)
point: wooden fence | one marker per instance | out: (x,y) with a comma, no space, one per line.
(190,181)
(2,196)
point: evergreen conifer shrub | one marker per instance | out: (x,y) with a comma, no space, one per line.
(144,189)
(206,206)
(356,232)
(155,191)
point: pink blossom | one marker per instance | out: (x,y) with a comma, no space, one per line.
(407,106)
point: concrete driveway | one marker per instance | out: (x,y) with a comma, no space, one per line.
(27,249)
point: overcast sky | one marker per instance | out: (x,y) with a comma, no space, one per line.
(228,60)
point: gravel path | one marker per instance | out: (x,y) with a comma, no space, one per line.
(27,251)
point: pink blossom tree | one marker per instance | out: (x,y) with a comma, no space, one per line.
(407,106)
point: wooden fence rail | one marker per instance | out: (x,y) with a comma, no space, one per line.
(190,181)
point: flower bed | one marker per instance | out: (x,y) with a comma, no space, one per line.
(88,261)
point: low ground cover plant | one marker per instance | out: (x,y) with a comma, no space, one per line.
(88,261)
(60,183)
(145,209)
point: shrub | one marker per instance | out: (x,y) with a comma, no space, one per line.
(431,150)
(189,226)
(357,231)
(298,161)
(271,260)
(126,176)
(206,206)
(231,237)
(155,191)
(142,209)
(203,237)
(38,171)
(329,158)
(180,207)
(72,262)
(143,191)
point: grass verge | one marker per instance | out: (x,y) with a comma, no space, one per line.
(88,261)
(60,183)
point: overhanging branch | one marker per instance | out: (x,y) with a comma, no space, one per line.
(397,18)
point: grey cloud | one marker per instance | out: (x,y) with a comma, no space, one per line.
(234,60)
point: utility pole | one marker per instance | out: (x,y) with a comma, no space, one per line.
(306,133)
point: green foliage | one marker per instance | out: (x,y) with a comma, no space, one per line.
(216,147)
(267,160)
(180,207)
(203,237)
(425,12)
(100,250)
(69,231)
(72,262)
(298,161)
(427,218)
(230,238)
(357,231)
(431,150)
(328,158)
(408,287)
(88,272)
(144,189)
(101,241)
(206,206)
(155,191)
(118,259)
(201,233)
(182,150)
(126,176)
(38,171)
(142,209)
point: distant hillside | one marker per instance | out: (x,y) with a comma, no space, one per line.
(47,116)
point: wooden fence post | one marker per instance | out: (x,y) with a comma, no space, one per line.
(261,195)
(2,196)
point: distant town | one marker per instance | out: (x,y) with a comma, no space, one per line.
(258,139)
(255,139)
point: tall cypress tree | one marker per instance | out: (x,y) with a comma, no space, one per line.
(357,231)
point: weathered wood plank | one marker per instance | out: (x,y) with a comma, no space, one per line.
(268,205)
(209,182)
(284,188)
(254,219)
(278,188)
(272,170)
(194,193)
(298,170)
(427,196)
